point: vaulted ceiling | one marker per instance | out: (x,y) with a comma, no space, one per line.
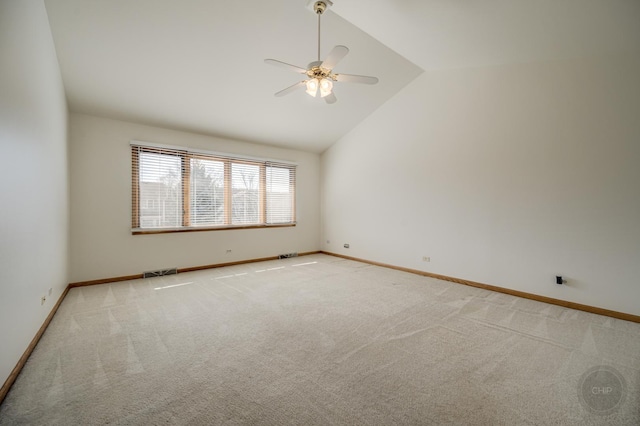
(197,65)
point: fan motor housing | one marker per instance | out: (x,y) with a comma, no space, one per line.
(314,70)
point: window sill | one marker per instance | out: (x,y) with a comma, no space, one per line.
(146,231)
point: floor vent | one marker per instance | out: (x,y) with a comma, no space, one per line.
(287,255)
(160,273)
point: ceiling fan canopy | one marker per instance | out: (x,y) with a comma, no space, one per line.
(320,75)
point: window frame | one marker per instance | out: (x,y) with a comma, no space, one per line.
(186,155)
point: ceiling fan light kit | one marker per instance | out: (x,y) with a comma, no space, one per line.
(320,73)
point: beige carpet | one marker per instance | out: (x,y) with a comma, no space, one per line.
(317,340)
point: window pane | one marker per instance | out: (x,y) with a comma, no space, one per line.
(160,190)
(207,192)
(245,193)
(279,195)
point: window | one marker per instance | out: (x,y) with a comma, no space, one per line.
(179,190)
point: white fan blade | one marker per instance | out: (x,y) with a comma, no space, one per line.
(352,78)
(290,89)
(330,98)
(286,66)
(334,57)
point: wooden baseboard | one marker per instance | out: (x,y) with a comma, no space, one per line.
(180,270)
(525,295)
(4,390)
(220,265)
(105,280)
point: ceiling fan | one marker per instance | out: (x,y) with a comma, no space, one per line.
(320,73)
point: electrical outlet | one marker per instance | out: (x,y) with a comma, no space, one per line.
(426,259)
(43,299)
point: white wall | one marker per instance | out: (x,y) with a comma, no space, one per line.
(101,242)
(506,176)
(33,177)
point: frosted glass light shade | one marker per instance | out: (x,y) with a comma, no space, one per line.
(312,86)
(325,87)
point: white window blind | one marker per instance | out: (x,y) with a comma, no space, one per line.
(176,189)
(280,191)
(207,192)
(245,193)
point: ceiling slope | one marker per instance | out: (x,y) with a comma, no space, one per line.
(449,34)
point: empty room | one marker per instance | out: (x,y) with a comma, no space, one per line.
(308,212)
